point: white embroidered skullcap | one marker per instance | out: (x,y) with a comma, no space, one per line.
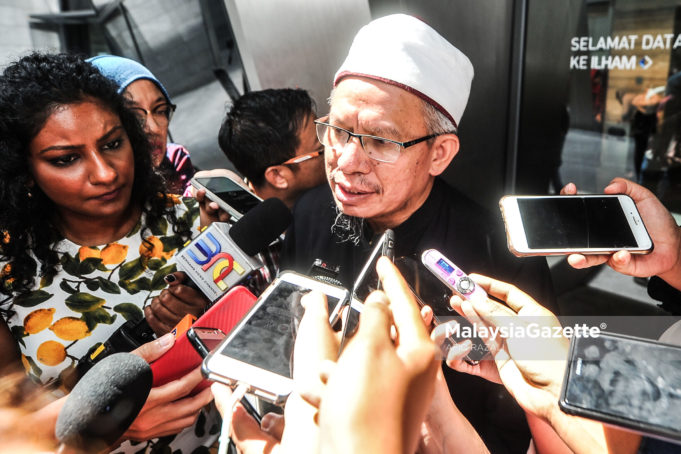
(402,50)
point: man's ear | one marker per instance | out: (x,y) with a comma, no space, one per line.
(444,149)
(279,177)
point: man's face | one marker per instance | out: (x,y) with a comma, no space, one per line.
(385,194)
(309,173)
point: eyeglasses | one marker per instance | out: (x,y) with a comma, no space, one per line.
(302,157)
(161,113)
(378,148)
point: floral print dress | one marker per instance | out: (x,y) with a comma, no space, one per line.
(96,289)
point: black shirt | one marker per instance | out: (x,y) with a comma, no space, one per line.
(470,236)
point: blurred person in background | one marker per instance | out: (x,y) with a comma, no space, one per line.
(270,137)
(151,103)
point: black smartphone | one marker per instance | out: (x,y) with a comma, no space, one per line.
(430,290)
(627,381)
(204,340)
(367,281)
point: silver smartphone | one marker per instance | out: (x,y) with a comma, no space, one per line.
(230,195)
(626,381)
(367,279)
(573,224)
(258,351)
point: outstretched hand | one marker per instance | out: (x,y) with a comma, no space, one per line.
(665,259)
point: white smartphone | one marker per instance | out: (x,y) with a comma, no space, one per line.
(259,350)
(625,381)
(230,195)
(573,224)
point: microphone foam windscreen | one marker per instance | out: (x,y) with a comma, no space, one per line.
(104,402)
(261,225)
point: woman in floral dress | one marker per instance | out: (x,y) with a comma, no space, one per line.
(88,234)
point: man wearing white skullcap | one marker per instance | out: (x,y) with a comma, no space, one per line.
(392,129)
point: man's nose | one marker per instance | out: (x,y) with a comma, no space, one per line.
(352,158)
(152,125)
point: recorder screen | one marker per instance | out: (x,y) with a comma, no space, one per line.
(634,380)
(231,193)
(575,223)
(445,266)
(266,340)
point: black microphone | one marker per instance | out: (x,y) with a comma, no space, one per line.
(104,403)
(222,256)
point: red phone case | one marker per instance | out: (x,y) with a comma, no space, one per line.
(182,358)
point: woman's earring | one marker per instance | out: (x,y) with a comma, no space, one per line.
(29,194)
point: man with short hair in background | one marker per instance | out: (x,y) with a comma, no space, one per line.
(269,136)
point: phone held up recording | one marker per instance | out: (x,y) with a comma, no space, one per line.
(573,224)
(258,352)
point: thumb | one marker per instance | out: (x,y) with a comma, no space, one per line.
(153,350)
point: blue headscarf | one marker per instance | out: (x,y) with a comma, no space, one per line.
(124,71)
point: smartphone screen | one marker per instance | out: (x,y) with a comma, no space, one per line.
(575,223)
(231,193)
(629,381)
(427,288)
(266,339)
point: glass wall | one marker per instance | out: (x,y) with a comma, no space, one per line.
(624,96)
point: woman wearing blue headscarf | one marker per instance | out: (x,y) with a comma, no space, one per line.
(150,101)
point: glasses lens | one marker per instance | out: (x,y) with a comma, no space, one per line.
(321,134)
(332,137)
(163,113)
(381,149)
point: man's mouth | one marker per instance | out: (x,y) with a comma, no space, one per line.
(354,191)
(350,194)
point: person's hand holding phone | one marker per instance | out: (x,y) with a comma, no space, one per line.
(167,410)
(248,436)
(530,368)
(665,259)
(354,411)
(210,211)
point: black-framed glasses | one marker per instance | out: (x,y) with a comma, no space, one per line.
(378,148)
(161,113)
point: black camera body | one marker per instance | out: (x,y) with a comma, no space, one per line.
(127,338)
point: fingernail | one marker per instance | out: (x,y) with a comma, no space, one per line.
(170,278)
(166,339)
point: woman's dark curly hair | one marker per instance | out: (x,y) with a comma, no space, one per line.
(31,89)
